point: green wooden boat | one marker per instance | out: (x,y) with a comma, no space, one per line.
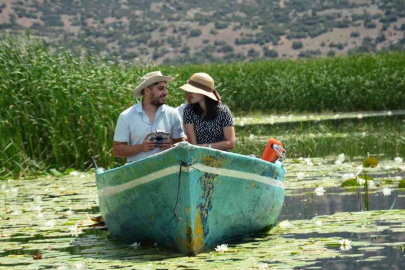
(190,198)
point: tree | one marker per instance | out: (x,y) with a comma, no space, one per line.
(297,45)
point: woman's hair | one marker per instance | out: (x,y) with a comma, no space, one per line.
(212,108)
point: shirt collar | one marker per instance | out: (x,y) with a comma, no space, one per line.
(138,107)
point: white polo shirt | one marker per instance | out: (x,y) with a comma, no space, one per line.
(133,125)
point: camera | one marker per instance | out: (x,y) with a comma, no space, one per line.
(159,136)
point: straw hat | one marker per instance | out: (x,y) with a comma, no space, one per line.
(148,79)
(201,83)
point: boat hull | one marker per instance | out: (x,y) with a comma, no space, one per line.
(191,198)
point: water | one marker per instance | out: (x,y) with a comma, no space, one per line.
(40,215)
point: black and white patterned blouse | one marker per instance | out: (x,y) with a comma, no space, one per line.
(209,131)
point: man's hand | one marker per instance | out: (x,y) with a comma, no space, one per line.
(147,145)
(165,145)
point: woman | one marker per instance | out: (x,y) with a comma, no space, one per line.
(206,120)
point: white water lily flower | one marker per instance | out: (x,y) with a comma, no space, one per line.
(347,176)
(371,184)
(340,159)
(222,248)
(74,173)
(69,212)
(271,121)
(62,267)
(309,162)
(242,123)
(311,135)
(336,116)
(40,215)
(301,175)
(50,223)
(345,245)
(285,224)
(319,191)
(80,266)
(399,160)
(389,113)
(3,187)
(37,208)
(398,178)
(16,213)
(263,266)
(135,245)
(82,176)
(75,230)
(386,191)
(318,223)
(360,116)
(251,136)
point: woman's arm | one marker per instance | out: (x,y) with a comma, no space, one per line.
(229,133)
(191,137)
(229,143)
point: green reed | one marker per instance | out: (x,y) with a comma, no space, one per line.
(57,109)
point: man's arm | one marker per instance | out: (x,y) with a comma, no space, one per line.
(122,149)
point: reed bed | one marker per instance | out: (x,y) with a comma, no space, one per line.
(57,109)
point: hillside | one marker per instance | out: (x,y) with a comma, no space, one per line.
(179,31)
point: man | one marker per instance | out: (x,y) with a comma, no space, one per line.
(135,124)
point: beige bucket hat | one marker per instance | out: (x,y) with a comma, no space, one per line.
(201,83)
(148,79)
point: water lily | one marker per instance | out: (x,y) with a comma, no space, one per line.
(309,162)
(271,121)
(251,136)
(135,245)
(69,212)
(285,224)
(318,223)
(361,181)
(74,173)
(338,162)
(50,223)
(387,191)
(62,267)
(399,160)
(345,245)
(37,208)
(242,123)
(75,230)
(263,266)
(347,176)
(301,175)
(319,191)
(340,159)
(398,178)
(80,266)
(222,248)
(389,113)
(360,116)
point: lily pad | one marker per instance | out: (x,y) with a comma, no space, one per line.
(370,162)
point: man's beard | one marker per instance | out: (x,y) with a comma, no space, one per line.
(155,101)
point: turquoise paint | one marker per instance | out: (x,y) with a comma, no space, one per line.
(194,212)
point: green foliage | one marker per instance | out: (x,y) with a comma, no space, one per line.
(57,110)
(270,53)
(297,45)
(331,53)
(195,32)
